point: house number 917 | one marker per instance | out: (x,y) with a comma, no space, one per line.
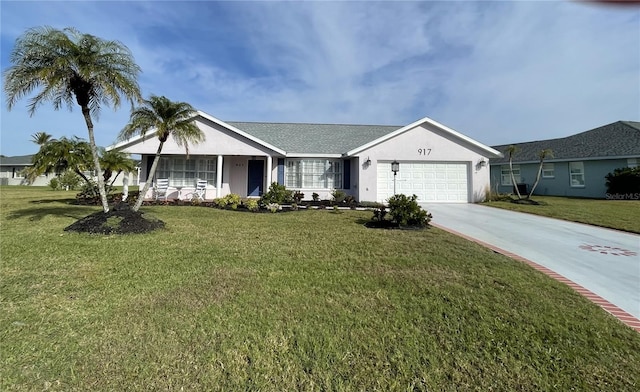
(424,151)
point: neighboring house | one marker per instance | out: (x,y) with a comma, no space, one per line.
(437,163)
(12,173)
(579,165)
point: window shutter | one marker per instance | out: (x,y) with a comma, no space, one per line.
(280,171)
(346,174)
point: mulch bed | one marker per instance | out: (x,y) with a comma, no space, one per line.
(390,225)
(525,201)
(121,219)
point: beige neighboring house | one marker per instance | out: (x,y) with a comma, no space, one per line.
(436,163)
(11,173)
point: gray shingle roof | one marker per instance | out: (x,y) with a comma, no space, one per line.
(314,138)
(618,139)
(20,160)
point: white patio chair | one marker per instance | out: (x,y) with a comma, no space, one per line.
(161,189)
(201,189)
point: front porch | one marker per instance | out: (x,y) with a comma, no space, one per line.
(247,176)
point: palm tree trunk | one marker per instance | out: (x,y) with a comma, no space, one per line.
(96,160)
(152,173)
(115,178)
(81,174)
(513,178)
(535,184)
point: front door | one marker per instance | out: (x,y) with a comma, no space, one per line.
(255,174)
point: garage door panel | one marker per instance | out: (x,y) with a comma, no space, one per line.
(431,182)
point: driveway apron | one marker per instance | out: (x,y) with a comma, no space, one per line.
(603,261)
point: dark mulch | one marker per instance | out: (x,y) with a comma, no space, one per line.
(121,219)
(525,201)
(387,224)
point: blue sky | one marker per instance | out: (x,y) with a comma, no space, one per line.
(499,72)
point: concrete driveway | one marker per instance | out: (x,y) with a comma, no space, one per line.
(603,261)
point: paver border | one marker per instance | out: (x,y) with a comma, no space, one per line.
(623,316)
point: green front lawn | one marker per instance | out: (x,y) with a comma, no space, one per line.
(310,300)
(614,214)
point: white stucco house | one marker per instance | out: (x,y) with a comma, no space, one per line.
(436,163)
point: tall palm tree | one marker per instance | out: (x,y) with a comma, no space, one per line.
(41,138)
(511,152)
(166,118)
(68,66)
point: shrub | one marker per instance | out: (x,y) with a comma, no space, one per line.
(89,193)
(338,195)
(297,197)
(277,194)
(406,211)
(251,205)
(349,199)
(232,200)
(624,180)
(273,207)
(379,213)
(54,184)
(70,180)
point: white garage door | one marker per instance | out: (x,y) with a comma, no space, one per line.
(431,182)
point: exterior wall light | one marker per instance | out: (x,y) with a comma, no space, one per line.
(395,168)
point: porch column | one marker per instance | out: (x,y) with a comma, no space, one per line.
(269,171)
(125,185)
(219,177)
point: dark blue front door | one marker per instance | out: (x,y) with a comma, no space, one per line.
(255,175)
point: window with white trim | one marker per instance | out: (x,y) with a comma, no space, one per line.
(207,170)
(505,174)
(185,172)
(576,174)
(313,173)
(633,162)
(548,170)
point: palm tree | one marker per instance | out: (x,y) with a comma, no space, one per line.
(69,67)
(58,156)
(511,152)
(166,118)
(542,155)
(115,161)
(41,138)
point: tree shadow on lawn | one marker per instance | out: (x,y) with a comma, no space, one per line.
(38,213)
(70,200)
